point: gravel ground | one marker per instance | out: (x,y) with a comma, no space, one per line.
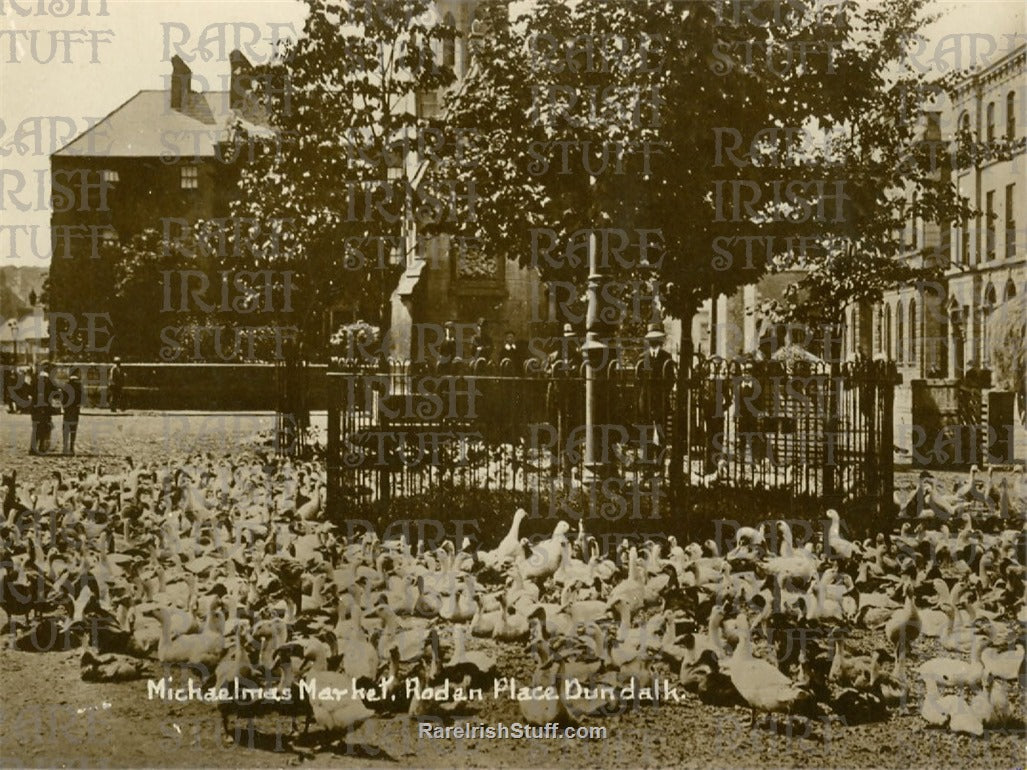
(70,723)
(50,718)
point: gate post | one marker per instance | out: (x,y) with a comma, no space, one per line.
(283,436)
(886,449)
(384,469)
(680,403)
(334,459)
(831,422)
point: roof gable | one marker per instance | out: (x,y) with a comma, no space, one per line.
(147,126)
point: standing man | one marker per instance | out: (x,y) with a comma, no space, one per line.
(513,351)
(116,385)
(42,415)
(565,393)
(656,376)
(481,344)
(447,351)
(10,380)
(72,405)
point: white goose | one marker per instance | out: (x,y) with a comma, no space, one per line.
(1004,665)
(509,547)
(544,559)
(956,672)
(798,564)
(332,714)
(838,544)
(760,682)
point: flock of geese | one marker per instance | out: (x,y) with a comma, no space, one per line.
(223,570)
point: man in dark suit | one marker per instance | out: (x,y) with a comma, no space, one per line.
(565,390)
(656,378)
(445,363)
(481,344)
(71,406)
(43,392)
(116,386)
(513,351)
(10,379)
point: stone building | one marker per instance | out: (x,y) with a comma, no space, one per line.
(938,333)
(988,256)
(445,280)
(161,160)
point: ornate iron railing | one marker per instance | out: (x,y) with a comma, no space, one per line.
(397,429)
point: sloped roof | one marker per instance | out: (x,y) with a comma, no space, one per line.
(793,352)
(31,327)
(146,126)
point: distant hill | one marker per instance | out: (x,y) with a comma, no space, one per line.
(16,284)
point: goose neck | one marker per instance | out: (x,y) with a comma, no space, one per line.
(319,658)
(625,621)
(713,630)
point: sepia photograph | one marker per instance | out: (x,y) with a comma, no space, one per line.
(513,383)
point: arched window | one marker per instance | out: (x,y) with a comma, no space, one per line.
(900,333)
(887,332)
(1010,290)
(912,331)
(449,44)
(990,121)
(964,121)
(1011,116)
(957,338)
(1010,221)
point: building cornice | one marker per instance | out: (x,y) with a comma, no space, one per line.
(978,78)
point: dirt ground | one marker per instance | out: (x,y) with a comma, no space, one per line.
(49,717)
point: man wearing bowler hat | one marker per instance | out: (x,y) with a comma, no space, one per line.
(514,352)
(481,343)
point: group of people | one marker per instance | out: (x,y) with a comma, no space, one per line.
(451,351)
(39,393)
(564,403)
(48,398)
(654,376)
(565,353)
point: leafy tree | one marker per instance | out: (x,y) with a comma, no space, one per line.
(752,138)
(137,297)
(168,303)
(327,191)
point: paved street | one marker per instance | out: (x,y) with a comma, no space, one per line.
(146,436)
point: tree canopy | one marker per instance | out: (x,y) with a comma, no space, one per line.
(742,141)
(329,186)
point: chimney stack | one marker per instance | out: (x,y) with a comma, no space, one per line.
(181,83)
(242,80)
